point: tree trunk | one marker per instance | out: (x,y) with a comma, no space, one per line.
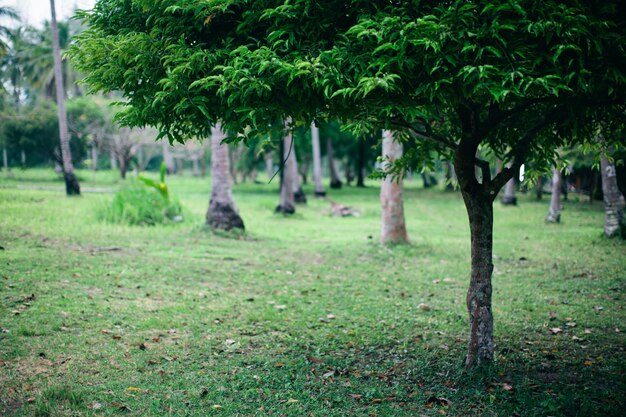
(554,212)
(112,159)
(298,192)
(393,228)
(317,162)
(269,164)
(5,159)
(360,168)
(170,167)
(94,156)
(478,199)
(539,188)
(450,176)
(71,183)
(232,163)
(614,223)
(287,201)
(481,345)
(509,199)
(123,164)
(195,167)
(222,213)
(335,182)
(23,158)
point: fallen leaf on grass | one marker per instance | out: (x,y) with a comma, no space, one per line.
(507,387)
(142,346)
(313,359)
(280,307)
(555,330)
(216,406)
(279,364)
(292,401)
(356,396)
(423,307)
(552,315)
(94,406)
(133,389)
(571,324)
(328,374)
(588,363)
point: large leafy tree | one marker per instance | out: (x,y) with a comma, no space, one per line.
(516,78)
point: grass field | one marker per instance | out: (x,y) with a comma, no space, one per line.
(300,316)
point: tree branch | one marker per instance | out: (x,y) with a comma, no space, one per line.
(520,151)
(426,135)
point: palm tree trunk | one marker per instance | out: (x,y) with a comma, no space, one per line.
(335,182)
(298,193)
(5,159)
(222,213)
(393,229)
(554,212)
(509,199)
(287,201)
(317,161)
(614,222)
(94,156)
(71,183)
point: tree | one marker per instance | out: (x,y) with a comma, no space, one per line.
(71,182)
(287,204)
(554,212)
(5,32)
(393,228)
(317,161)
(614,222)
(222,213)
(518,78)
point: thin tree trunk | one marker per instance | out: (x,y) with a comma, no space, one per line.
(222,213)
(478,201)
(287,201)
(539,188)
(167,158)
(195,167)
(554,212)
(393,227)
(232,162)
(112,159)
(317,162)
(23,158)
(614,222)
(71,183)
(450,176)
(123,167)
(335,182)
(94,156)
(481,345)
(509,199)
(360,168)
(5,159)
(269,164)
(298,192)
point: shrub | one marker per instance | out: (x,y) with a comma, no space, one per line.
(136,204)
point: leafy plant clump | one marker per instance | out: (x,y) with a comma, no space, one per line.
(138,204)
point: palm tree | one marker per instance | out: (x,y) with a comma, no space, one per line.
(6,12)
(222,213)
(71,183)
(393,228)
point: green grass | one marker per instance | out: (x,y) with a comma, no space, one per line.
(101,319)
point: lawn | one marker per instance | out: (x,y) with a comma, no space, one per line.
(300,316)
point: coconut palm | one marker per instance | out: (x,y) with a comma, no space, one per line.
(71,182)
(6,13)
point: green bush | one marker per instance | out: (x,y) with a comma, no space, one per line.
(136,204)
